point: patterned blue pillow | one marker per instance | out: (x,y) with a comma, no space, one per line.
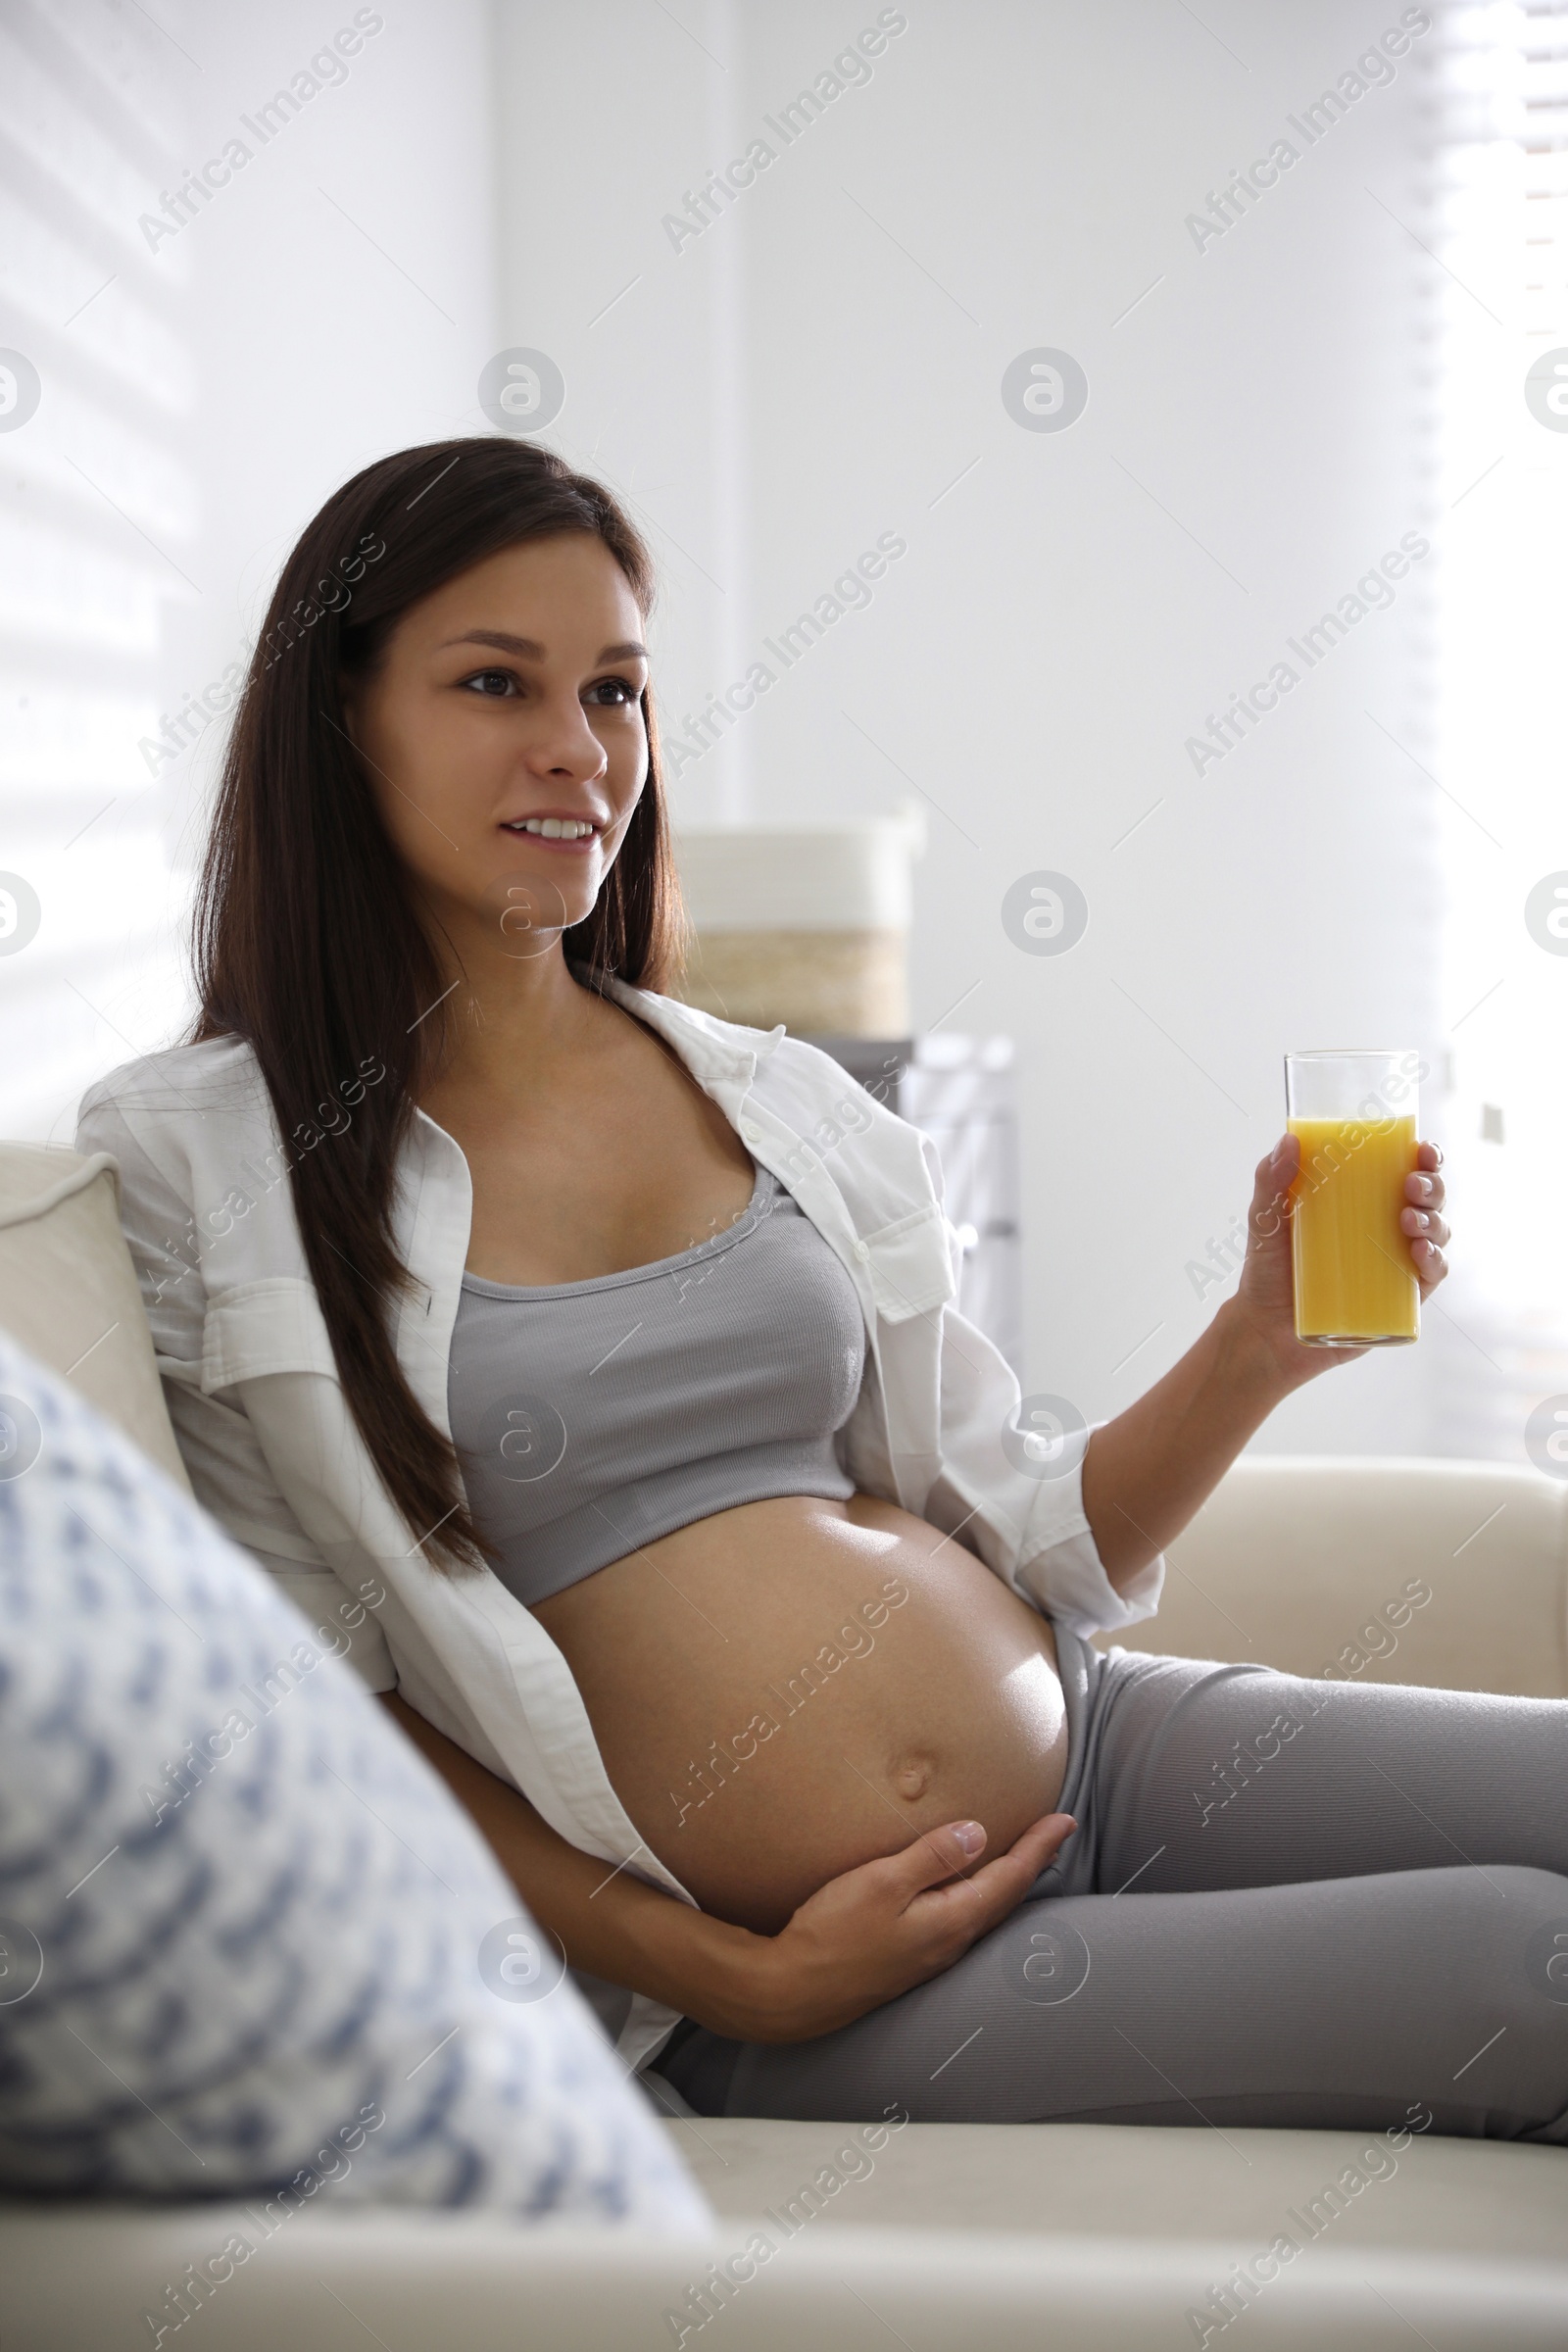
(248,1944)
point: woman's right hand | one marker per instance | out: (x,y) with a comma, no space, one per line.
(857,1941)
(878,1930)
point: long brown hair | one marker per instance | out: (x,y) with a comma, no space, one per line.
(307,941)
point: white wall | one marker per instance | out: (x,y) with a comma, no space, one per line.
(816,369)
(344,298)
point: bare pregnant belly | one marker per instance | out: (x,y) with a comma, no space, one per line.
(797,1685)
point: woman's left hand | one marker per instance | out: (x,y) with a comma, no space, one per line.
(1265,1296)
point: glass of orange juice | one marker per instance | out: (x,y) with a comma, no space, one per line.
(1355,1114)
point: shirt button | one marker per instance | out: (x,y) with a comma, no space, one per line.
(751,1134)
(860,1250)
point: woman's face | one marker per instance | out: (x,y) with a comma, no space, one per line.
(506,701)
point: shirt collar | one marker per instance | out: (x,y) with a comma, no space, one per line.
(723,1056)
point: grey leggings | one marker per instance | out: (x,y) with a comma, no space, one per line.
(1287,1902)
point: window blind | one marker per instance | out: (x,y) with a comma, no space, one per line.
(1496,188)
(97,513)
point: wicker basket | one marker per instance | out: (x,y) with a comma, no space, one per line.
(807,925)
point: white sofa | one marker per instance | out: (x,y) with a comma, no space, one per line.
(954,2235)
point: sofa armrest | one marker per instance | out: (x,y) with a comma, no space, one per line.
(68,1293)
(1305,1563)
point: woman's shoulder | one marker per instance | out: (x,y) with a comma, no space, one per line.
(184,1118)
(176,1087)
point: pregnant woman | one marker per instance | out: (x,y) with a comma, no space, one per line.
(606,1353)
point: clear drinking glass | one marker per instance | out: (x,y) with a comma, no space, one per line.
(1355,1114)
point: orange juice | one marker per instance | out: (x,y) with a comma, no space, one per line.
(1354,1275)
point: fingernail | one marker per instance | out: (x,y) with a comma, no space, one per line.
(970,1835)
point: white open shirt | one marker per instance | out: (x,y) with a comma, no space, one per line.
(274,1452)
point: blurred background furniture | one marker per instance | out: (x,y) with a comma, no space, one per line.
(805,924)
(960,1091)
(1002,2235)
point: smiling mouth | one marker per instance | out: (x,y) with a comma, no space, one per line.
(568,832)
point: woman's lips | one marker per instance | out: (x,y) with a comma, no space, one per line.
(572,841)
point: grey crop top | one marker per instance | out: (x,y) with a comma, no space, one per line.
(590,1417)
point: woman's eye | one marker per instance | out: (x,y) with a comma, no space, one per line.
(613,693)
(492,682)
